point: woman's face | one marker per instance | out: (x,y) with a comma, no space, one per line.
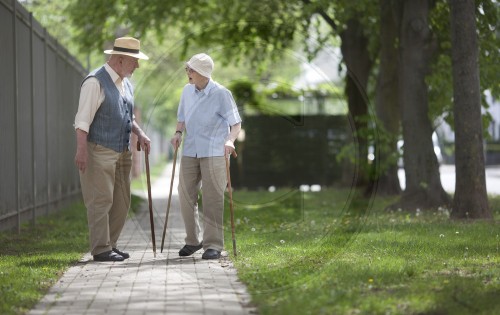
(195,78)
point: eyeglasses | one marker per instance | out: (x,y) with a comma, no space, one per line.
(189,70)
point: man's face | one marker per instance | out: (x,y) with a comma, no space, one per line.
(128,65)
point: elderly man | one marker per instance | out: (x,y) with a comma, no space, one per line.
(103,125)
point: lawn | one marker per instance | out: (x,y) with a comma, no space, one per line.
(32,261)
(305,253)
(321,253)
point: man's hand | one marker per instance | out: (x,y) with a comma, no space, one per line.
(141,137)
(81,156)
(144,142)
(81,160)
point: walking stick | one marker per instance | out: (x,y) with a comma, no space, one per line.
(146,155)
(228,173)
(169,198)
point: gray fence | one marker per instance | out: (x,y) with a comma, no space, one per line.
(39,90)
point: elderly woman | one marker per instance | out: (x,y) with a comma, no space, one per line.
(209,120)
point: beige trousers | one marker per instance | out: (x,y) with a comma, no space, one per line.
(209,175)
(106,194)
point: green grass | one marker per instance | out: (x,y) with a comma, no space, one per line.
(32,261)
(312,254)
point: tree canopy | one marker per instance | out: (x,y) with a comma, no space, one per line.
(262,31)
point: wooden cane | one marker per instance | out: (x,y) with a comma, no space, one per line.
(146,155)
(169,199)
(228,173)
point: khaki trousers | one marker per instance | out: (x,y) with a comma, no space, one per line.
(106,194)
(209,174)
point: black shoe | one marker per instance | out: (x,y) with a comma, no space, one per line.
(211,254)
(189,250)
(123,254)
(108,256)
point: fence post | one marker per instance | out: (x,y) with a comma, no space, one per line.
(33,159)
(47,168)
(16,109)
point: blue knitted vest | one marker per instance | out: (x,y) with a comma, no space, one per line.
(112,123)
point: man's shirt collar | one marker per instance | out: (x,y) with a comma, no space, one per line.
(112,73)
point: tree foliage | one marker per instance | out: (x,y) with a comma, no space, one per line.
(440,79)
(244,26)
(262,31)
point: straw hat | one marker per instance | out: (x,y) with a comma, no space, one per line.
(127,46)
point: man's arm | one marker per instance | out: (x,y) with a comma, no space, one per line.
(88,104)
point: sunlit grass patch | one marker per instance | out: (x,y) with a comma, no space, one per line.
(315,253)
(31,262)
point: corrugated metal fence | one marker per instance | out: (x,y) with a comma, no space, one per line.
(39,90)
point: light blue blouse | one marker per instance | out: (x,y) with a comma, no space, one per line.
(207,115)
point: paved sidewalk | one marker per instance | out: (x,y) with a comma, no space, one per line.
(144,284)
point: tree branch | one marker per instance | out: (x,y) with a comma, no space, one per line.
(324,15)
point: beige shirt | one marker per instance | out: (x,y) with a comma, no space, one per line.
(91,98)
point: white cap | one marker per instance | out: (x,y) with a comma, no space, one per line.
(201,63)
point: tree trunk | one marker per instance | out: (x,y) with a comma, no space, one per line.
(470,199)
(354,49)
(386,101)
(423,183)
